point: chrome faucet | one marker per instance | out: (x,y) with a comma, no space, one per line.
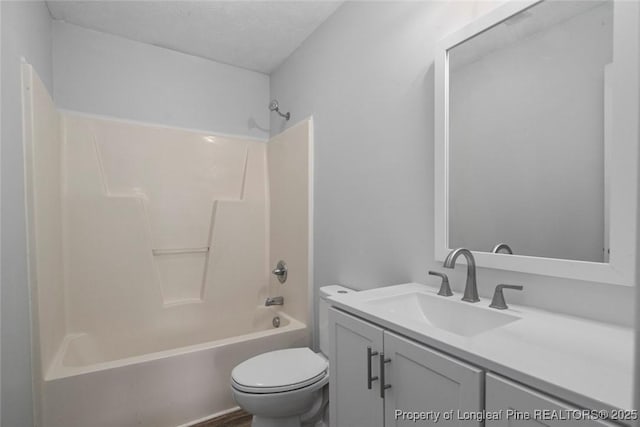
(445,289)
(471,287)
(506,249)
(498,301)
(274,301)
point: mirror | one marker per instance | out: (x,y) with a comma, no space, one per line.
(527,135)
(531,135)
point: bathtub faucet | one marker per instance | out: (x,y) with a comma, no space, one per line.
(274,301)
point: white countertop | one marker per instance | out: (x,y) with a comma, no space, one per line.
(587,363)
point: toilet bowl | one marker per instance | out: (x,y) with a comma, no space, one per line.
(287,388)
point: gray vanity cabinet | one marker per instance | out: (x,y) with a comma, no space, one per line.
(522,402)
(418,379)
(352,403)
(426,380)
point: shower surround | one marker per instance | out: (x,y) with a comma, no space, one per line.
(150,251)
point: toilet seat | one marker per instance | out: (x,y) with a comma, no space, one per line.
(280,371)
(281,389)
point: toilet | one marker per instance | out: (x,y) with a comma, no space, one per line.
(286,388)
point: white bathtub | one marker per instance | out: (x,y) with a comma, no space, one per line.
(156,380)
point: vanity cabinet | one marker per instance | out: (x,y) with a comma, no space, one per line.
(353,403)
(376,373)
(423,379)
(523,403)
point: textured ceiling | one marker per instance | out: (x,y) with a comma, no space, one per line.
(257,35)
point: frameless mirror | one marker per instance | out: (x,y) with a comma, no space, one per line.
(529,130)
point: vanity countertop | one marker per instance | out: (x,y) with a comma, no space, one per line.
(587,363)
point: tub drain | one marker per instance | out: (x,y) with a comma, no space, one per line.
(276,322)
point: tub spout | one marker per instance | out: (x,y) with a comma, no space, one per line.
(274,301)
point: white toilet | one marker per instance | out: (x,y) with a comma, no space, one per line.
(285,388)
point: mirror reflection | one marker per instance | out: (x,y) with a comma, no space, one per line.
(528,134)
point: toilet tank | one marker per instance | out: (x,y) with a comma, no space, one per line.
(323,313)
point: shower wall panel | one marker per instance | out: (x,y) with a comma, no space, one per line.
(161,226)
(290,162)
(43,173)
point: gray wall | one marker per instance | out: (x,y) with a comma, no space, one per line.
(366,75)
(103,74)
(26,31)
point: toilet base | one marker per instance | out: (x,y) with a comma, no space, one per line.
(284,422)
(296,408)
(276,422)
(315,404)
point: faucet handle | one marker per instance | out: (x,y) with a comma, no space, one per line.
(498,301)
(445,289)
(281,271)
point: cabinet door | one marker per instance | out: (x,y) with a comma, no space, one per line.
(519,406)
(431,384)
(352,403)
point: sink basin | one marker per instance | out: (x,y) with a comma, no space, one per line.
(454,316)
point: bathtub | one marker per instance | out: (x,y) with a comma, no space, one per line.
(155,379)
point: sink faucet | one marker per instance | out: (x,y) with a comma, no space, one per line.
(471,287)
(274,301)
(506,249)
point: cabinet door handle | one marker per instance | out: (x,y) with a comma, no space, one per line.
(370,379)
(383,386)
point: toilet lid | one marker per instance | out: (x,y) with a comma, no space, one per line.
(280,370)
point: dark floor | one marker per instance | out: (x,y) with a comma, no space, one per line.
(237,418)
